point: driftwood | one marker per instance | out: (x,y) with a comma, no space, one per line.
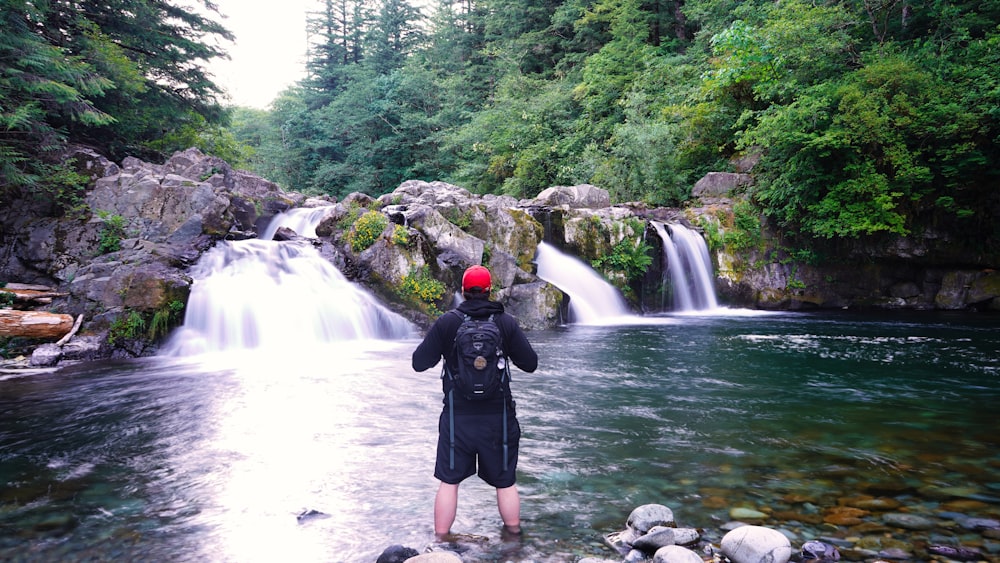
(76,327)
(32,294)
(34,324)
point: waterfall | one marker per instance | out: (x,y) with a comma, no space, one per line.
(302,220)
(277,295)
(592,300)
(687,268)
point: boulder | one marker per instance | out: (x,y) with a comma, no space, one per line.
(573,197)
(954,290)
(661,536)
(675,554)
(435,557)
(645,517)
(720,184)
(756,544)
(396,554)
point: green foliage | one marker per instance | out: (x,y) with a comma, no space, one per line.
(630,258)
(367,229)
(112,232)
(420,289)
(713,233)
(117,76)
(6,299)
(193,130)
(128,326)
(745,231)
(462,220)
(165,318)
(400,236)
(870,118)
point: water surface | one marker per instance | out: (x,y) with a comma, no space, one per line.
(212,458)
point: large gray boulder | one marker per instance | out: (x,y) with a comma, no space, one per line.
(756,544)
(574,197)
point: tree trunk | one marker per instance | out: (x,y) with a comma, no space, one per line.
(34,324)
(33,296)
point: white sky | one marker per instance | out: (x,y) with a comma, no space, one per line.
(269,52)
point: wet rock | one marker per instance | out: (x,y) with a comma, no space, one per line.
(46,355)
(643,518)
(956,553)
(742,513)
(979,524)
(435,557)
(756,544)
(844,516)
(872,503)
(662,536)
(895,553)
(818,551)
(908,521)
(621,541)
(310,514)
(396,554)
(675,554)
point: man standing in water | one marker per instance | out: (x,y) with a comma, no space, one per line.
(476,436)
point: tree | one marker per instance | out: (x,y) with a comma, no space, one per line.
(396,33)
(116,75)
(336,45)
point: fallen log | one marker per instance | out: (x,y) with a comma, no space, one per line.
(34,324)
(29,296)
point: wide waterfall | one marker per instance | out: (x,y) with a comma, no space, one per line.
(592,300)
(259,293)
(688,268)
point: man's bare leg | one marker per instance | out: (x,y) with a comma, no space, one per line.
(445,508)
(509,504)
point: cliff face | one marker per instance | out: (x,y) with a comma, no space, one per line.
(927,271)
(122,260)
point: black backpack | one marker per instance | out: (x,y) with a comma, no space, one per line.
(482,365)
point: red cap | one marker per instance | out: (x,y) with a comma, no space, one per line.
(476,280)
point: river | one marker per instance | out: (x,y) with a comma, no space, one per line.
(215,457)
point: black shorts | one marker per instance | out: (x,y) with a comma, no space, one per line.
(478,443)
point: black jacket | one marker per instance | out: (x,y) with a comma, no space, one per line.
(440,339)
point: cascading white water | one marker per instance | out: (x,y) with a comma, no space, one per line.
(592,300)
(267,294)
(689,268)
(302,220)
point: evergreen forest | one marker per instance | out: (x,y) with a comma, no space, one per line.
(860,118)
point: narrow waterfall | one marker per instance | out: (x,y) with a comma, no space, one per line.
(688,268)
(302,220)
(592,300)
(277,295)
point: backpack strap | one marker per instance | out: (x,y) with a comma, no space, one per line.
(451,424)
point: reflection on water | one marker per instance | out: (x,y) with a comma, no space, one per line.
(213,457)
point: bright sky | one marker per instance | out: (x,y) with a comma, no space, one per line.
(269,52)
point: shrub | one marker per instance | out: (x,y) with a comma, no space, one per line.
(400,236)
(112,232)
(165,318)
(367,229)
(126,327)
(631,259)
(420,288)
